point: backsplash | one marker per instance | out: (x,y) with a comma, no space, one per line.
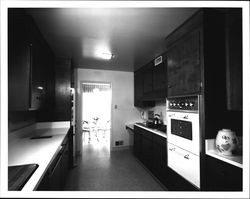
(20,119)
(160,107)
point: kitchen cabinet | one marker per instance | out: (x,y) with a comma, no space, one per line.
(160,158)
(150,84)
(138,90)
(62,109)
(221,176)
(150,149)
(160,80)
(184,70)
(137,142)
(56,175)
(27,67)
(147,149)
(148,79)
(234,59)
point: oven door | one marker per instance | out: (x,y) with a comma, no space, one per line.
(183,130)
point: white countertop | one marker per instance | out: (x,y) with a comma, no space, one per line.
(155,131)
(235,160)
(23,150)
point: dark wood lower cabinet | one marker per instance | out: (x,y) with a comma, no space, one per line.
(160,158)
(150,149)
(221,176)
(55,178)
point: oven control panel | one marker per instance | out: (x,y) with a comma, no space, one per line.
(183,103)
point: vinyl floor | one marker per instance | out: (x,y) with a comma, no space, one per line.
(98,169)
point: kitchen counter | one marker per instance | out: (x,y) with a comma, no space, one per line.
(130,127)
(235,160)
(155,131)
(23,150)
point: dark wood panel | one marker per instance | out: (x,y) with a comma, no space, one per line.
(184,73)
(221,176)
(62,90)
(18,61)
(234,59)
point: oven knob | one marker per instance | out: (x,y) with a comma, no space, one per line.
(186,104)
(182,103)
(191,104)
(170,104)
(174,104)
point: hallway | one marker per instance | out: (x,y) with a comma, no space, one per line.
(101,170)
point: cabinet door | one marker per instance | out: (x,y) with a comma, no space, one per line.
(137,142)
(54,177)
(159,77)
(138,91)
(26,68)
(221,176)
(38,67)
(62,90)
(183,70)
(65,164)
(234,59)
(18,62)
(160,81)
(160,158)
(148,81)
(147,149)
(138,88)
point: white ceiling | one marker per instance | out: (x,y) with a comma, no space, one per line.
(134,35)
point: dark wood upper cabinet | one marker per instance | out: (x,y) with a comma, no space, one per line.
(150,83)
(139,90)
(28,63)
(184,73)
(160,77)
(62,109)
(234,59)
(19,61)
(148,79)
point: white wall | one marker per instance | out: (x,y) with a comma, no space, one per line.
(122,95)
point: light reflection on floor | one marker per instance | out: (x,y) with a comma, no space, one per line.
(98,139)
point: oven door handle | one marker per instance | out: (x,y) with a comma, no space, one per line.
(185,117)
(186,155)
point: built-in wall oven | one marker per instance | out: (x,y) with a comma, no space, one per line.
(183,137)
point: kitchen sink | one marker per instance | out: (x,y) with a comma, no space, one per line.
(18,175)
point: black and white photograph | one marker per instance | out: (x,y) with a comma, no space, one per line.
(124,99)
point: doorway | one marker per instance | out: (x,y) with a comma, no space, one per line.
(96,115)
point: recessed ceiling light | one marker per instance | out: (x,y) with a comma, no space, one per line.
(105,55)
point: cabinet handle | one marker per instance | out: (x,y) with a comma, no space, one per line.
(186,156)
(172,149)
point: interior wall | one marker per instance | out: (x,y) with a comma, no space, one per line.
(122,109)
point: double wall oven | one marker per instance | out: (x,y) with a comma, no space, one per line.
(183,137)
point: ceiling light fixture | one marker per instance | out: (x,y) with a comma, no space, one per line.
(105,55)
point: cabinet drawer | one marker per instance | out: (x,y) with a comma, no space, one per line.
(184,163)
